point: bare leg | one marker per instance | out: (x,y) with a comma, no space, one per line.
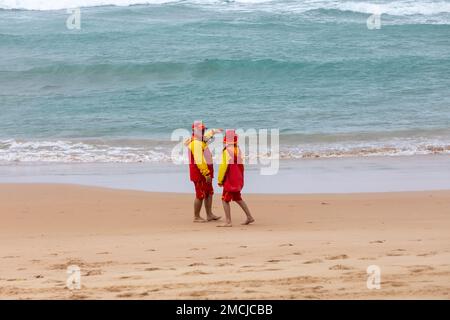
(227,209)
(197,207)
(244,207)
(208,207)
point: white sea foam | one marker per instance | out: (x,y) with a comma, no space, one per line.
(395,147)
(66,151)
(396,8)
(85,152)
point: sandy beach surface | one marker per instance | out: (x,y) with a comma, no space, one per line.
(140,245)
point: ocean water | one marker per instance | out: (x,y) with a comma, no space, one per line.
(115,90)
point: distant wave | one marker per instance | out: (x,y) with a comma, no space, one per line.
(396,8)
(223,69)
(12,151)
(64,4)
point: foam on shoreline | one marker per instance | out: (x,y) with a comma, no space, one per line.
(152,151)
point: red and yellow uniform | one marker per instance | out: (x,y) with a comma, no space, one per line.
(200,167)
(231,173)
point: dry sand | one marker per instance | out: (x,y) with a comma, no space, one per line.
(140,245)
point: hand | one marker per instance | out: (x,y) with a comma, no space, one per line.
(187,141)
(208,179)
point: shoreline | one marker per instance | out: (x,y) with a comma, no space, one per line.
(142,245)
(218,190)
(307,176)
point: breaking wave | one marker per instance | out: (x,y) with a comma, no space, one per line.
(396,8)
(89,152)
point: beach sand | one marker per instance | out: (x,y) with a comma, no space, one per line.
(140,245)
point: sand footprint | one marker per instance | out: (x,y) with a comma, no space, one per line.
(224,257)
(130,277)
(195,273)
(141,262)
(152,269)
(312,261)
(394,283)
(89,273)
(378,241)
(225,264)
(420,268)
(81,264)
(338,257)
(427,254)
(271,269)
(195,264)
(274,260)
(340,267)
(125,295)
(396,253)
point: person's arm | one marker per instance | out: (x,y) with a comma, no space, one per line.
(187,141)
(209,135)
(223,167)
(199,159)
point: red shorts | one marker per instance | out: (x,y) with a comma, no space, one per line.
(203,189)
(227,196)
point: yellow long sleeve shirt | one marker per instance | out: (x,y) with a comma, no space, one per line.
(197,148)
(223,166)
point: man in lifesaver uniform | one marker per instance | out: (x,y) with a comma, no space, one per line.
(201,171)
(231,177)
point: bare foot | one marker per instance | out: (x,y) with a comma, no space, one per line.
(228,224)
(199,219)
(213,218)
(248,221)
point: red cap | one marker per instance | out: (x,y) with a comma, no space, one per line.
(230,137)
(198,125)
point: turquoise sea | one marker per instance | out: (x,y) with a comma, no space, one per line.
(114,90)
